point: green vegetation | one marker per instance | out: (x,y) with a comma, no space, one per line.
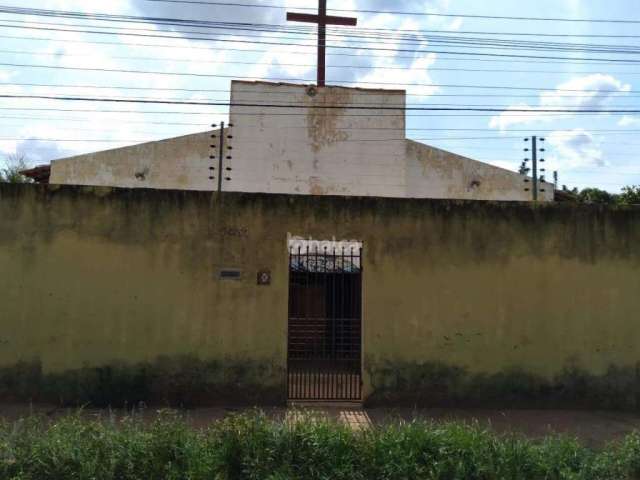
(10,173)
(630,195)
(254,447)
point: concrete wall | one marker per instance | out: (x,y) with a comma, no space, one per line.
(307,150)
(180,163)
(349,151)
(435,173)
(314,149)
(463,301)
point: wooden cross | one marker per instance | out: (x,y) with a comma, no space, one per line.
(322,19)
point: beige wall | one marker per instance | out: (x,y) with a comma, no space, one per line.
(180,163)
(311,150)
(435,173)
(92,277)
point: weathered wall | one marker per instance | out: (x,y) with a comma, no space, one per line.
(180,163)
(351,150)
(312,149)
(435,173)
(464,302)
(129,280)
(317,149)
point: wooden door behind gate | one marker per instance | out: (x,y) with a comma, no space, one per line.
(324,339)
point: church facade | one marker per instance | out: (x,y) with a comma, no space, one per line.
(301,139)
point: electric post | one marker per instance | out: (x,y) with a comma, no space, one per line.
(535,189)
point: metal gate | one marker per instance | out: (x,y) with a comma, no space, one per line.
(324,341)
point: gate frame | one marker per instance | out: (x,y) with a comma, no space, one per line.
(362,333)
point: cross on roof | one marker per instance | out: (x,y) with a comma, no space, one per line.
(322,19)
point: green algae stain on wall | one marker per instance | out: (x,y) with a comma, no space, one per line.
(100,284)
(184,381)
(437,385)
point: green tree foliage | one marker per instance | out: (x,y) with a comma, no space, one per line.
(630,195)
(524,169)
(14,164)
(595,195)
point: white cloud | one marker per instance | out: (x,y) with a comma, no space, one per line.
(573,149)
(514,115)
(393,72)
(418,73)
(590,92)
(627,121)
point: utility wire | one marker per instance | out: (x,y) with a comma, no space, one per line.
(321,107)
(337,54)
(279,64)
(206,75)
(186,21)
(401,12)
(369,48)
(633,132)
(284,92)
(277,114)
(368,36)
(350,105)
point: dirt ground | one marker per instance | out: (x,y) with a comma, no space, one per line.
(593,428)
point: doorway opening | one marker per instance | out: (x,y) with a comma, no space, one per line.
(324,355)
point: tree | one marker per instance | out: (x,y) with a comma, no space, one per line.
(630,195)
(597,196)
(14,164)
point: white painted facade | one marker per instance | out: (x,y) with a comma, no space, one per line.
(180,163)
(314,148)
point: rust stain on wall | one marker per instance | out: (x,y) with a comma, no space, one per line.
(322,123)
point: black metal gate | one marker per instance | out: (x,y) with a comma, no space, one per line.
(325,311)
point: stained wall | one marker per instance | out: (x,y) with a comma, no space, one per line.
(462,301)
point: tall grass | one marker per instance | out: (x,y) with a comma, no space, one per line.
(254,447)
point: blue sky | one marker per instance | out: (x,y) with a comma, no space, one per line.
(587,150)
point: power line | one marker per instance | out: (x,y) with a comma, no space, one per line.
(401,12)
(557,132)
(285,92)
(196,133)
(84,120)
(275,114)
(208,23)
(279,64)
(372,104)
(339,54)
(199,22)
(370,35)
(261,42)
(105,140)
(207,75)
(323,107)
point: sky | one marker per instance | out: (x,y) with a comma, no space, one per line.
(599,149)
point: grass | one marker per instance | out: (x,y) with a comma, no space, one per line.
(255,447)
